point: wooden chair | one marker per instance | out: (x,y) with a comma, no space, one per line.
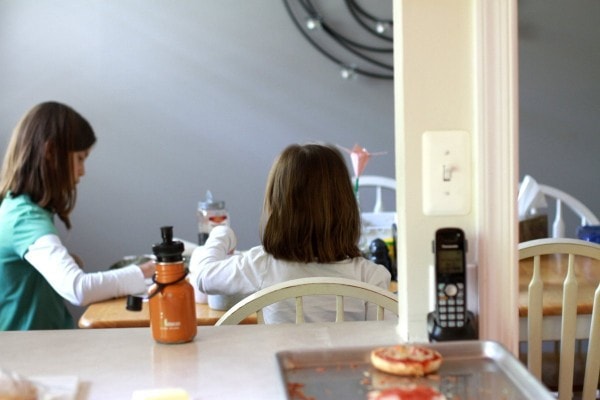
(573,248)
(298,288)
(379,183)
(560,198)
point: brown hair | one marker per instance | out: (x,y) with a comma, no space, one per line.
(38,162)
(310,213)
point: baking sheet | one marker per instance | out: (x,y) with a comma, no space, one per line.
(471,370)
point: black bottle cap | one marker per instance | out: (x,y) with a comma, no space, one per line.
(134,303)
(169,250)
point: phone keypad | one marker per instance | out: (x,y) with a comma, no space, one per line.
(451,305)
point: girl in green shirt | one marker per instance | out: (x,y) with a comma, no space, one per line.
(41,169)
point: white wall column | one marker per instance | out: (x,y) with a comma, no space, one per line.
(455,64)
(498,154)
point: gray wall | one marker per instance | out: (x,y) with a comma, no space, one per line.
(188,96)
(559,59)
(184,96)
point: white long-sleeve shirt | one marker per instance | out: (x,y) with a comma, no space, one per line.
(216,271)
(53,261)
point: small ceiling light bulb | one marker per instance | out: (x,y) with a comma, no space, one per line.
(313,23)
(382,27)
(347,73)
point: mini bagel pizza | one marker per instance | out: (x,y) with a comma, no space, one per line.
(406,360)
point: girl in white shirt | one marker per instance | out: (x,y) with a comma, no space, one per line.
(42,166)
(310,227)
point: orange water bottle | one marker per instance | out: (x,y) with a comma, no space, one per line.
(171,297)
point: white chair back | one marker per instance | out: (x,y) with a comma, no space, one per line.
(560,198)
(298,288)
(379,183)
(573,248)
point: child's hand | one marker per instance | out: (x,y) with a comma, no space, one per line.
(148,268)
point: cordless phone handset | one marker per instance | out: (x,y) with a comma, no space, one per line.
(449,249)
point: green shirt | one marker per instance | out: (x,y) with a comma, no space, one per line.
(27,301)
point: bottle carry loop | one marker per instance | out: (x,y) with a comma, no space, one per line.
(160,286)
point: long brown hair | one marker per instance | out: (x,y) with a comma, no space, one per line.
(38,162)
(310,213)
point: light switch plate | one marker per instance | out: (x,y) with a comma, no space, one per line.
(446,172)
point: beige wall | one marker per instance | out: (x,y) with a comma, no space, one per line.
(451,61)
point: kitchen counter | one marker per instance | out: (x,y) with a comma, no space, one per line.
(223,362)
(239,361)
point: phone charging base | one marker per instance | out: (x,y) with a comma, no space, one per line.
(438,333)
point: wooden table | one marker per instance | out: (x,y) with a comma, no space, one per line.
(113,314)
(553,270)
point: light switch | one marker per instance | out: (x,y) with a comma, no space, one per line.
(446,173)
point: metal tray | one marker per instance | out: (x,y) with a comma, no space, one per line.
(471,370)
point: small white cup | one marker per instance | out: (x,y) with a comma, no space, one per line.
(201,298)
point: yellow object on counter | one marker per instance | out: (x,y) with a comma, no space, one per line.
(161,394)
(390,243)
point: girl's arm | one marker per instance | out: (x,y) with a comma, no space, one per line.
(216,270)
(53,261)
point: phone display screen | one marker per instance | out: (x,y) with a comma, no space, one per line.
(450,261)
